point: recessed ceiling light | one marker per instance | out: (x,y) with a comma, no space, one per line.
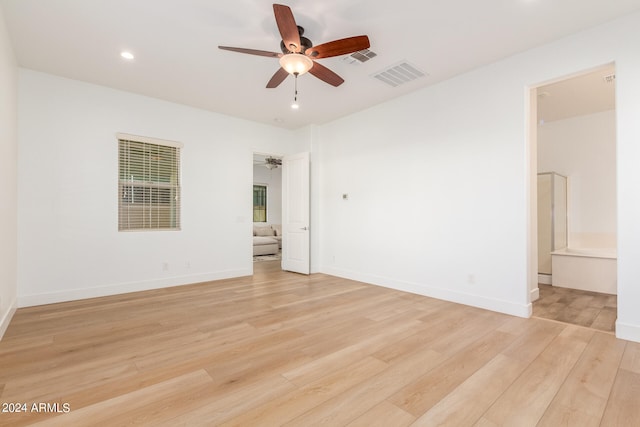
(127,55)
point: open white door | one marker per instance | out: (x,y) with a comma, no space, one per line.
(295,213)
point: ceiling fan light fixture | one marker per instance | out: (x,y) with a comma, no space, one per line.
(299,53)
(296,63)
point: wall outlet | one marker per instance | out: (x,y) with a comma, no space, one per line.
(165,266)
(471,279)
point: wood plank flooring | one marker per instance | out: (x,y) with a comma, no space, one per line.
(584,308)
(281,349)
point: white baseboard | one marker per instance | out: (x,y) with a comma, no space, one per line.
(123,288)
(534,294)
(480,301)
(628,332)
(545,279)
(6,317)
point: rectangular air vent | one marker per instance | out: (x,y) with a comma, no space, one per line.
(360,56)
(399,74)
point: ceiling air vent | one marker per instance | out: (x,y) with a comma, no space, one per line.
(359,56)
(399,74)
(610,78)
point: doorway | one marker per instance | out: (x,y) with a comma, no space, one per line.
(573,135)
(267,209)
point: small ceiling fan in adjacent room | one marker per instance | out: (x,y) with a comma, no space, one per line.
(269,162)
(299,55)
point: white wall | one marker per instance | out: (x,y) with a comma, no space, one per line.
(438,185)
(433,192)
(8,177)
(439,180)
(584,149)
(69,244)
(273,179)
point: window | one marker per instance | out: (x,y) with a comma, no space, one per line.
(259,203)
(149,184)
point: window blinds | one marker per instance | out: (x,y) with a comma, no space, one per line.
(149,185)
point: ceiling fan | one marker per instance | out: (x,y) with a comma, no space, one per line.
(298,53)
(269,162)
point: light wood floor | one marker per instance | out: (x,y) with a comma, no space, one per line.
(284,349)
(584,308)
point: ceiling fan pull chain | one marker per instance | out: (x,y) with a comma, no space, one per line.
(295,93)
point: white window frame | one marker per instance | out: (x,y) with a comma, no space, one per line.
(145,204)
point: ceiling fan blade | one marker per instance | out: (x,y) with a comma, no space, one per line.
(287,27)
(251,51)
(338,47)
(277,78)
(325,74)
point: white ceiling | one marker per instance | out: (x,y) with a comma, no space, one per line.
(177,59)
(586,93)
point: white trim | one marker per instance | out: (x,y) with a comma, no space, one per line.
(492,304)
(148,140)
(6,319)
(628,332)
(123,288)
(545,279)
(534,294)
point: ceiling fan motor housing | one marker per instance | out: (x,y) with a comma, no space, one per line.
(273,161)
(305,42)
